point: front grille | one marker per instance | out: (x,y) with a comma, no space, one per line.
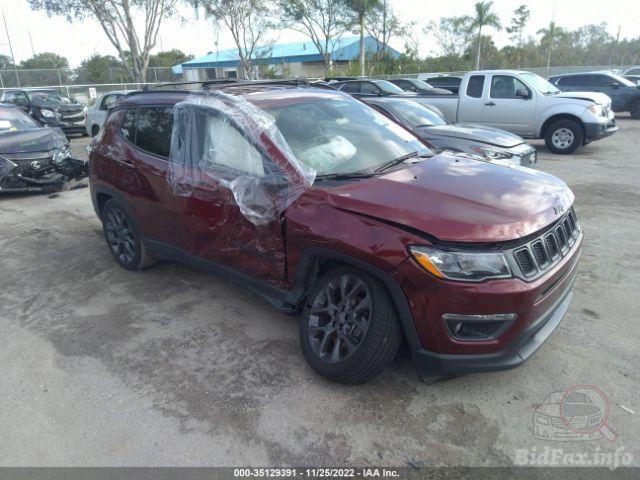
(544,251)
(72,116)
(525,262)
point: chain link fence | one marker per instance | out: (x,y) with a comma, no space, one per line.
(23,78)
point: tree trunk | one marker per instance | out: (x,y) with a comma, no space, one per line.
(361,20)
(479,43)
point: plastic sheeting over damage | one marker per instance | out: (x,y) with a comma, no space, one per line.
(224,139)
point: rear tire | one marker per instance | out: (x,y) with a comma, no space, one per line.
(635,110)
(123,239)
(564,137)
(349,329)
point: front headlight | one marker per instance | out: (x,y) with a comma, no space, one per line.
(458,265)
(596,109)
(61,154)
(492,153)
(47,113)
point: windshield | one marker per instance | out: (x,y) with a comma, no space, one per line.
(388,87)
(539,83)
(14,120)
(422,84)
(48,98)
(338,135)
(622,80)
(416,115)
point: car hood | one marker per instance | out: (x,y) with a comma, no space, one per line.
(59,107)
(35,140)
(457,198)
(474,133)
(595,97)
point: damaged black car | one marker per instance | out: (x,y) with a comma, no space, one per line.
(49,107)
(34,158)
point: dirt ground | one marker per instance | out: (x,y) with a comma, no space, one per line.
(170,366)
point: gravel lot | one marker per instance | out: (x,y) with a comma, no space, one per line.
(102,366)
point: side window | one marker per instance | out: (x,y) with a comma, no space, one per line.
(108,101)
(224,146)
(153,130)
(127,129)
(351,87)
(475,86)
(602,81)
(575,81)
(506,86)
(8,97)
(405,85)
(368,87)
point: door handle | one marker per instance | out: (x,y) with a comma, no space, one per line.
(490,104)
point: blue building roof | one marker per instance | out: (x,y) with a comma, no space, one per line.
(346,49)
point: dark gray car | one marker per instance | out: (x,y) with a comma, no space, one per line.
(486,142)
(625,94)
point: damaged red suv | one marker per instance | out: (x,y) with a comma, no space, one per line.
(329,210)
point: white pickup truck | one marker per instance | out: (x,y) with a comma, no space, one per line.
(526,104)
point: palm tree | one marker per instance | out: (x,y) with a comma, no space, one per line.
(360,8)
(484,17)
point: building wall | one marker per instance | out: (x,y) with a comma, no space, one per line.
(282,70)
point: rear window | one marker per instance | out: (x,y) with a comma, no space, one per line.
(149,128)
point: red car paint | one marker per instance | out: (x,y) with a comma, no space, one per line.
(372,221)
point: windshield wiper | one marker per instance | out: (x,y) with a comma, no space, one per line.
(396,161)
(343,176)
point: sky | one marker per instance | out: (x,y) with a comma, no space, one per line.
(35,32)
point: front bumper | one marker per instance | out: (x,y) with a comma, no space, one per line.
(598,130)
(530,340)
(539,303)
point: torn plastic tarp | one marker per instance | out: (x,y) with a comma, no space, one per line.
(224,139)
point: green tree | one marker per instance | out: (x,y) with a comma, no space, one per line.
(483,17)
(361,9)
(119,20)
(248,21)
(45,60)
(169,58)
(382,24)
(100,69)
(518,23)
(324,22)
(6,63)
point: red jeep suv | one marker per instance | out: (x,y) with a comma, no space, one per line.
(329,210)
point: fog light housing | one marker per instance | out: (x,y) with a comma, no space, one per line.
(478,327)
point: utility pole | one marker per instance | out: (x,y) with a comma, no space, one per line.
(33,50)
(13,59)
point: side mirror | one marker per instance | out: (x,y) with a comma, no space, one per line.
(523,93)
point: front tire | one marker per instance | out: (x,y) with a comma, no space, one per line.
(349,329)
(635,110)
(564,137)
(125,243)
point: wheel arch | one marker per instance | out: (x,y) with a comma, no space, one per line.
(315,261)
(560,116)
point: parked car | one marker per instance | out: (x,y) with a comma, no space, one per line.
(488,143)
(529,106)
(447,82)
(49,108)
(633,79)
(418,86)
(330,210)
(632,71)
(365,88)
(625,94)
(34,158)
(97,113)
